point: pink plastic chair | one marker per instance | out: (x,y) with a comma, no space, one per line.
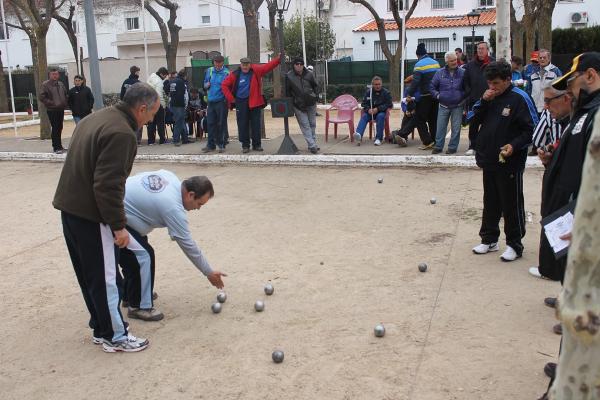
(345,106)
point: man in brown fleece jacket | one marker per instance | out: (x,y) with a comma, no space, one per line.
(54,96)
(90,197)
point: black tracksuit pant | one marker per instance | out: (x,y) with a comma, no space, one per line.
(158,123)
(426,118)
(95,257)
(503,197)
(56,118)
(474,127)
(248,122)
(138,262)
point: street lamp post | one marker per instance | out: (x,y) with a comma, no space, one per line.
(283,107)
(473,18)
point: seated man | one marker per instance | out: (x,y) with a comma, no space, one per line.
(158,199)
(409,122)
(196,113)
(376,102)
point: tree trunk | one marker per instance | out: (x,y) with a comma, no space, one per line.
(394,75)
(274,37)
(578,373)
(40,74)
(252,35)
(3,97)
(544,23)
(171,58)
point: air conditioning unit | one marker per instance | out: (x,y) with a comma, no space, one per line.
(579,17)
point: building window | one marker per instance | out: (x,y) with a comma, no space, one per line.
(486,3)
(204,13)
(392,44)
(396,3)
(436,47)
(468,47)
(133,23)
(442,4)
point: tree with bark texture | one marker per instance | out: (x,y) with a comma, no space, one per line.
(536,22)
(34,18)
(392,58)
(66,22)
(274,41)
(169,32)
(578,373)
(250,11)
(3,98)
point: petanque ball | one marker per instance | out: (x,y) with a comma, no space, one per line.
(269,289)
(221,297)
(259,305)
(379,330)
(216,308)
(433,200)
(277,356)
(380,180)
(422,267)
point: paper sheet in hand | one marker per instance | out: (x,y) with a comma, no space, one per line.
(557,224)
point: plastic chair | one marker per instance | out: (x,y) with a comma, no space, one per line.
(386,128)
(345,106)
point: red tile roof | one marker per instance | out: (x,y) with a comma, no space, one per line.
(449,21)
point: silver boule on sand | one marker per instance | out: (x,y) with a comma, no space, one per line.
(277,356)
(379,330)
(259,305)
(216,308)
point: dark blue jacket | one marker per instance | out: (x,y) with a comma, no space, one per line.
(132,80)
(423,72)
(382,100)
(178,93)
(448,89)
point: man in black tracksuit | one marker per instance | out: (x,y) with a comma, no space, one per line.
(507,117)
(134,77)
(80,99)
(563,175)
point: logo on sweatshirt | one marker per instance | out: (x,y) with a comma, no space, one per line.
(154,183)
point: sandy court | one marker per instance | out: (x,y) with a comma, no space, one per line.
(342,252)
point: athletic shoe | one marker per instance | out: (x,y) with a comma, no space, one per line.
(177,144)
(99,340)
(245,150)
(145,314)
(535,271)
(207,150)
(509,254)
(221,150)
(60,151)
(313,150)
(377,142)
(470,152)
(129,345)
(550,370)
(557,329)
(357,137)
(483,248)
(426,146)
(450,151)
(436,151)
(551,302)
(401,141)
(257,148)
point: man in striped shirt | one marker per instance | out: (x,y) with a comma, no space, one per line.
(554,117)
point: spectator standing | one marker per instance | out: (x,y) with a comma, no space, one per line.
(301,86)
(376,101)
(54,96)
(157,80)
(532,67)
(243,90)
(217,108)
(447,89)
(516,64)
(426,110)
(132,79)
(90,196)
(507,116)
(80,99)
(475,85)
(461,58)
(537,81)
(178,102)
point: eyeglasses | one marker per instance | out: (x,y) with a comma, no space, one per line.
(548,100)
(572,79)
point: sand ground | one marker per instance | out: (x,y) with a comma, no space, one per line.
(342,252)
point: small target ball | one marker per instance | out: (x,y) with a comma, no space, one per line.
(380,180)
(259,306)
(277,356)
(269,289)
(422,267)
(433,200)
(379,330)
(216,308)
(221,297)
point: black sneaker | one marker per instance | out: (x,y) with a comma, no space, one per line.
(257,148)
(436,151)
(207,150)
(313,150)
(450,151)
(245,149)
(550,370)
(550,302)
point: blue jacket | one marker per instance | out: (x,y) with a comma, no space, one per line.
(132,80)
(448,89)
(215,78)
(423,73)
(178,93)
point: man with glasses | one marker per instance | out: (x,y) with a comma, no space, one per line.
(300,84)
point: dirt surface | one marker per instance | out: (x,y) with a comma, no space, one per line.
(341,251)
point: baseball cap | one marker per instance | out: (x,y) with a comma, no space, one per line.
(245,60)
(534,56)
(580,63)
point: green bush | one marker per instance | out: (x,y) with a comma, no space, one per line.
(356,90)
(575,41)
(22,104)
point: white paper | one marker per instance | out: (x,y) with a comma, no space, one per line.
(555,229)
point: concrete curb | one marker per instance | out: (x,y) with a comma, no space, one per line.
(321,160)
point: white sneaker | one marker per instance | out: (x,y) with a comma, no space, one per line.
(377,142)
(470,152)
(357,137)
(129,345)
(509,254)
(483,248)
(535,271)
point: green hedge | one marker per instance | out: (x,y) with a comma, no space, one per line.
(575,41)
(21,104)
